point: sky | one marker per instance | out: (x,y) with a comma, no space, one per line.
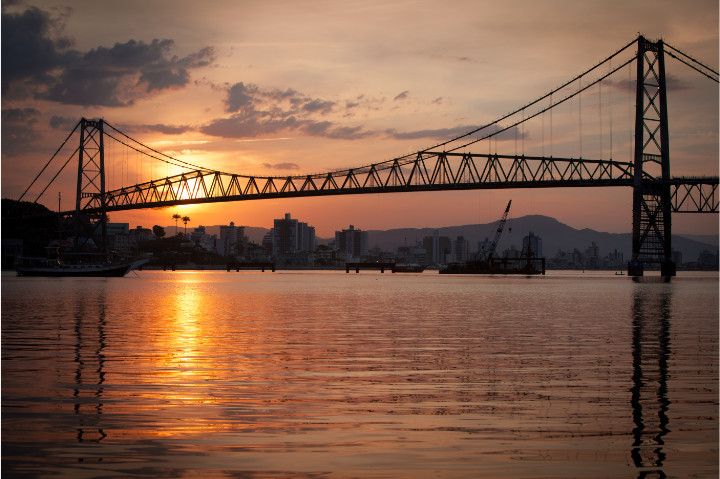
(297,87)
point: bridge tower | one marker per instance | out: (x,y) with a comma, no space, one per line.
(652,222)
(91,188)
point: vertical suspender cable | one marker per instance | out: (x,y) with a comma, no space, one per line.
(580,111)
(572,129)
(600,110)
(630,105)
(611,129)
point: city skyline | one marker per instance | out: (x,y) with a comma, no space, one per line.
(362,84)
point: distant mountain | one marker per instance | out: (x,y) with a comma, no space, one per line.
(555,236)
(709,239)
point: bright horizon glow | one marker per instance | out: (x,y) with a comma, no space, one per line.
(354,84)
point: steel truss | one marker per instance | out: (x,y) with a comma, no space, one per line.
(429,171)
(694,195)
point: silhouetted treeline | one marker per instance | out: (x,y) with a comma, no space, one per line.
(36,232)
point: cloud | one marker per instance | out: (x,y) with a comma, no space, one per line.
(25,116)
(437,100)
(239,96)
(62,123)
(257,112)
(18,136)
(318,106)
(448,133)
(672,82)
(249,124)
(401,96)
(167,129)
(282,166)
(32,46)
(36,54)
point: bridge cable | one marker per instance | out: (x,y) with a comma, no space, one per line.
(545,109)
(56,175)
(161,159)
(158,152)
(48,163)
(529,104)
(410,156)
(694,68)
(691,58)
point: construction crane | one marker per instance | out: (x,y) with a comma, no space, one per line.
(489,254)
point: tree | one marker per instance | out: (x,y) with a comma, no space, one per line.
(186,220)
(176,217)
(158,231)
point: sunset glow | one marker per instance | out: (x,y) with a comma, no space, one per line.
(295,88)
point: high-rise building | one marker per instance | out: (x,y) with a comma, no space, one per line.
(292,236)
(354,242)
(230,236)
(593,251)
(267,241)
(285,238)
(676,257)
(427,245)
(535,244)
(438,248)
(460,248)
(306,237)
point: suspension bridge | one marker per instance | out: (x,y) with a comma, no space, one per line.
(445,166)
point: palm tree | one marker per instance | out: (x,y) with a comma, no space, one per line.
(176,217)
(185,220)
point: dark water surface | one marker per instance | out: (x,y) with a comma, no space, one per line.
(327,374)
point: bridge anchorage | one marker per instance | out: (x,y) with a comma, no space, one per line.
(655,196)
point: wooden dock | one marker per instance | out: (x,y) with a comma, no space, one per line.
(358,266)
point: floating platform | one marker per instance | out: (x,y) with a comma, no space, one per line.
(523,266)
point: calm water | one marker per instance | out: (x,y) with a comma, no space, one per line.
(327,374)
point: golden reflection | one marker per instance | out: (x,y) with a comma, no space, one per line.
(185,320)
